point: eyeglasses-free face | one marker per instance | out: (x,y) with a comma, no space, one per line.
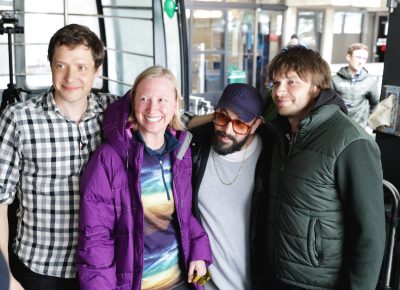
(239,127)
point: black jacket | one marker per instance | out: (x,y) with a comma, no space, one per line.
(201,145)
(326,222)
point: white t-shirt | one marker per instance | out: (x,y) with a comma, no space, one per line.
(225,215)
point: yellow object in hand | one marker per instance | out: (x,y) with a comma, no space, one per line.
(201,280)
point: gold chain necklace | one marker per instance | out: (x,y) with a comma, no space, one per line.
(237,175)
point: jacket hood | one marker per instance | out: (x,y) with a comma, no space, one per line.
(344,72)
(116,126)
(329,97)
(326,97)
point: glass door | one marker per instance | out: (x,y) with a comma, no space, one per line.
(229,45)
(240,46)
(207,58)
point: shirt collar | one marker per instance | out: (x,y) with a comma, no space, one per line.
(93,109)
(356,76)
(171,143)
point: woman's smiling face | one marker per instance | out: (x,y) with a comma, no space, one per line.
(155,105)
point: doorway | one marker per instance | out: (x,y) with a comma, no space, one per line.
(229,45)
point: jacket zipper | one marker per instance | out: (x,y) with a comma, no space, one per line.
(285,157)
(287,154)
(178,204)
(127,160)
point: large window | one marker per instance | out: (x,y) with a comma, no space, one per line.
(347,22)
(309,29)
(40,24)
(137,34)
(347,30)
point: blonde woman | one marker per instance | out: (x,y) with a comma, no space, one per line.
(137,230)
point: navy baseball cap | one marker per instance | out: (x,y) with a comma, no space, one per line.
(243,99)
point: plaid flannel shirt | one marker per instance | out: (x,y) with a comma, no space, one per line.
(42,156)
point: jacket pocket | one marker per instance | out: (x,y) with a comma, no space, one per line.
(314,242)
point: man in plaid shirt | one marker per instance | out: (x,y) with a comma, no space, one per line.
(45,142)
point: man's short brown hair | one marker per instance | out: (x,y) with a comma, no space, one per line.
(356,46)
(73,35)
(307,63)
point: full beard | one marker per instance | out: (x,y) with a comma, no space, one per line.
(223,149)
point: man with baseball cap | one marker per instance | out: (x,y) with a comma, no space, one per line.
(229,163)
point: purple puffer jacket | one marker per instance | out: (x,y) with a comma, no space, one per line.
(110,248)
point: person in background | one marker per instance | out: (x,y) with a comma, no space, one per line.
(294,40)
(230,161)
(358,89)
(137,230)
(326,223)
(45,142)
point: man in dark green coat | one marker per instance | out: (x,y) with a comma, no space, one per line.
(325,227)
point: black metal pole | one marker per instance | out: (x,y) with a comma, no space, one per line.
(10,63)
(11,94)
(390,145)
(392,61)
(183,35)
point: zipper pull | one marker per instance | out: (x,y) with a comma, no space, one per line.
(127,160)
(163,179)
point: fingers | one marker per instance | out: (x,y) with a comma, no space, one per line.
(191,274)
(197,269)
(201,270)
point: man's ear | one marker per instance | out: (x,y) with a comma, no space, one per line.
(98,71)
(315,91)
(348,57)
(256,124)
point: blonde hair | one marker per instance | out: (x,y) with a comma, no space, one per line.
(159,71)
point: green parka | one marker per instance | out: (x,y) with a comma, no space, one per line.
(326,227)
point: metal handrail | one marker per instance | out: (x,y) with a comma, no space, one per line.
(392,231)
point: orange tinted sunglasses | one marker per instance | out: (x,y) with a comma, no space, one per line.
(240,127)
